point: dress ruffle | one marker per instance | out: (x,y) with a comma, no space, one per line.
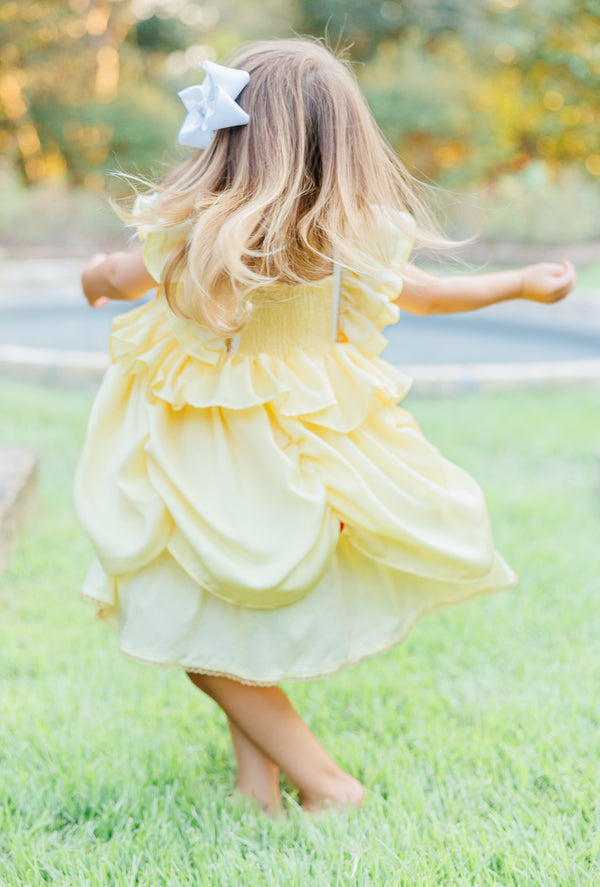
(185,364)
(164,618)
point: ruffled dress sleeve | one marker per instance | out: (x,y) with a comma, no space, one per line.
(158,242)
(366,299)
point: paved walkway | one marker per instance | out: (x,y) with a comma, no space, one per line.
(48,331)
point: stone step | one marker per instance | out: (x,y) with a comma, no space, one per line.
(18,494)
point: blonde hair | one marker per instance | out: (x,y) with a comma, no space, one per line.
(275,200)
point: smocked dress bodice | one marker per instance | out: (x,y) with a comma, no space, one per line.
(294,317)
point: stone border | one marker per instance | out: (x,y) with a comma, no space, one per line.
(52,365)
(457,378)
(18,494)
(72,368)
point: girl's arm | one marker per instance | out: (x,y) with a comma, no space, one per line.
(121,276)
(423,293)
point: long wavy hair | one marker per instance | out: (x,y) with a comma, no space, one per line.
(275,200)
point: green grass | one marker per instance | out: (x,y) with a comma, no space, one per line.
(54,219)
(589,276)
(478,739)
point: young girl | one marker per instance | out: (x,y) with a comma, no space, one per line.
(261,508)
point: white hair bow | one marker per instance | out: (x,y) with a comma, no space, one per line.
(212,105)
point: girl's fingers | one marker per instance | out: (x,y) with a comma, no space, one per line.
(560,270)
(101,302)
(564,276)
(569,268)
(573,271)
(571,275)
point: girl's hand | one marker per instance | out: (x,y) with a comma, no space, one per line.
(91,283)
(547,282)
(122,276)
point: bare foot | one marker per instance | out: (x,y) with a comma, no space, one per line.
(269,735)
(340,792)
(270,804)
(258,776)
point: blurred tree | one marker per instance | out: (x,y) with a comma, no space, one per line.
(367,24)
(492,93)
(61,68)
(463,90)
(83,83)
(89,84)
(539,97)
(422,100)
(154,34)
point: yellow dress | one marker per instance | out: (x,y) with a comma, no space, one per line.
(272,514)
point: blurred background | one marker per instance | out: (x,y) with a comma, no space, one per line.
(494,104)
(496,101)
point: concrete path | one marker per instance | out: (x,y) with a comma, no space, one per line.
(42,312)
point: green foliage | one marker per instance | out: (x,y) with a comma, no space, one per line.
(531,207)
(51,217)
(157,35)
(421,100)
(355,22)
(84,89)
(465,92)
(366,25)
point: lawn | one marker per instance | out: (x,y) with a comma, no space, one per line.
(589,276)
(478,739)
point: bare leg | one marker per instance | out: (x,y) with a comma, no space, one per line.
(267,718)
(258,777)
